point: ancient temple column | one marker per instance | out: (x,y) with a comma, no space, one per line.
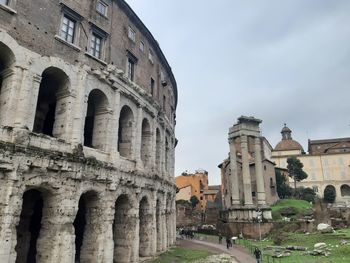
(259,172)
(247,186)
(234,173)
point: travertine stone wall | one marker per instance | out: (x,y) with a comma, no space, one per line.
(95,205)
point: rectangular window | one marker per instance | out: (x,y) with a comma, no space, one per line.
(142,46)
(152,86)
(3,2)
(131,69)
(101,8)
(132,34)
(96,45)
(150,56)
(68,29)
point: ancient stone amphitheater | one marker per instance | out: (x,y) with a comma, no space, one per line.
(87,115)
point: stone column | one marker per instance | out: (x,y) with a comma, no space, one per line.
(260,186)
(79,109)
(10,210)
(11,82)
(138,138)
(27,102)
(234,173)
(247,186)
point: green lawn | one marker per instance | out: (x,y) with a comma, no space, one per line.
(300,206)
(339,253)
(179,255)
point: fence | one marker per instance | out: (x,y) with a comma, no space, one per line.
(265,258)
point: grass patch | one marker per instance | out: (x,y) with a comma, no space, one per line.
(339,253)
(301,207)
(179,255)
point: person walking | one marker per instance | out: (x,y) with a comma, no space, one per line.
(220,239)
(228,242)
(257,254)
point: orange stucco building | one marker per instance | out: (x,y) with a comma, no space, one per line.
(193,184)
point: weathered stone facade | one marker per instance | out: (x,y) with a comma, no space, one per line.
(249,181)
(86,138)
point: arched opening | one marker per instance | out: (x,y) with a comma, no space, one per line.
(345,190)
(28,229)
(126,121)
(329,194)
(7,58)
(50,118)
(145,142)
(145,228)
(124,227)
(158,148)
(159,225)
(167,150)
(96,120)
(86,226)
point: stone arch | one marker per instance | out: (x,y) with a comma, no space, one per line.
(124,229)
(125,132)
(330,188)
(145,227)
(158,148)
(32,229)
(50,117)
(7,59)
(96,120)
(146,137)
(345,190)
(87,227)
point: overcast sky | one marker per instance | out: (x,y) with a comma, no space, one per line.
(280,61)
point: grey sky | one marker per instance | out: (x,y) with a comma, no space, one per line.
(280,61)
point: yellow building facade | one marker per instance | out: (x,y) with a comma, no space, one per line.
(327,163)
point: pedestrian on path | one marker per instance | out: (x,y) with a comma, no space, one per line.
(228,242)
(220,239)
(257,254)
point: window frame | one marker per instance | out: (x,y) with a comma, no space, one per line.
(150,56)
(102,3)
(131,34)
(131,61)
(97,33)
(65,35)
(73,16)
(142,46)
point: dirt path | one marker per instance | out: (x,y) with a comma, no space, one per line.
(241,255)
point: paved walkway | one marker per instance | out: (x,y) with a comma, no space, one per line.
(239,253)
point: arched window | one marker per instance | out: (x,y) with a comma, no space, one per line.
(96,120)
(145,142)
(126,122)
(345,190)
(158,148)
(7,58)
(50,119)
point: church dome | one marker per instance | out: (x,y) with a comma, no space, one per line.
(287,143)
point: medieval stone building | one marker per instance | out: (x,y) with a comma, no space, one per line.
(87,116)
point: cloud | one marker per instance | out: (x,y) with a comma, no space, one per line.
(281,61)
